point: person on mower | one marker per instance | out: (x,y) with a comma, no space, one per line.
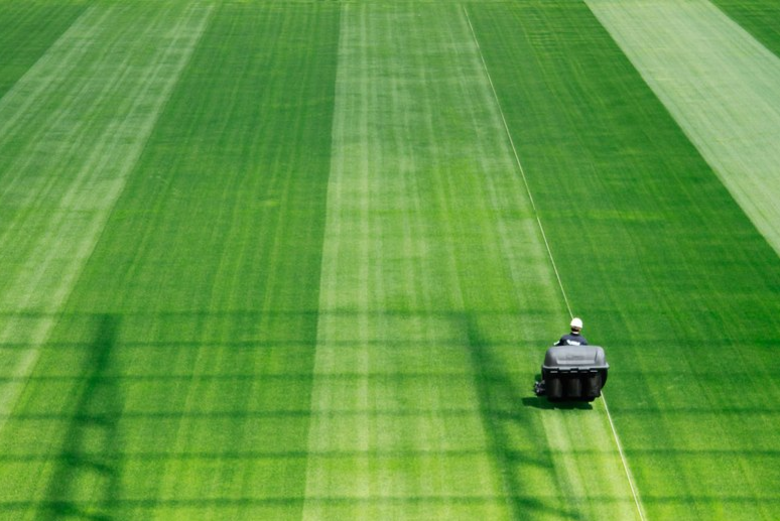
(574,338)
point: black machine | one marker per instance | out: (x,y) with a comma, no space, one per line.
(573,373)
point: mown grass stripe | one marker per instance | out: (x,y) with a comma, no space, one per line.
(27,30)
(48,234)
(210,264)
(67,166)
(759,17)
(378,278)
(720,84)
(427,221)
(657,254)
(521,170)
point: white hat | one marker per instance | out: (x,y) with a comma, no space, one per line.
(576,323)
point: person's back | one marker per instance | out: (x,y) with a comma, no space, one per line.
(574,338)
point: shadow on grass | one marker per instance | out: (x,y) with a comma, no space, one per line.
(504,420)
(543,403)
(90,456)
(87,476)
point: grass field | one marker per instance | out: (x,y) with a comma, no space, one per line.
(301,260)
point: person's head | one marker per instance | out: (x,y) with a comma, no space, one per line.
(576,325)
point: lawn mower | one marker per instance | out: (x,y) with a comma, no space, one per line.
(573,373)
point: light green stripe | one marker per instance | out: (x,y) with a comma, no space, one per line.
(720,84)
(390,296)
(437,299)
(72,129)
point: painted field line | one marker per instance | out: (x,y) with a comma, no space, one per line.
(403,295)
(519,164)
(629,476)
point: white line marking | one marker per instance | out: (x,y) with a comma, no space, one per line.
(634,491)
(517,160)
(550,255)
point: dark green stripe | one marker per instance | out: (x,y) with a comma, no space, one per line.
(27,30)
(666,269)
(761,18)
(211,259)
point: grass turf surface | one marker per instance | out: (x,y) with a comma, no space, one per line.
(661,254)
(721,85)
(314,285)
(433,265)
(216,246)
(759,18)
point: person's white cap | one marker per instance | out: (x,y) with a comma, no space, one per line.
(576,323)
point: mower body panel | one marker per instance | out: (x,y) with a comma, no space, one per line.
(573,373)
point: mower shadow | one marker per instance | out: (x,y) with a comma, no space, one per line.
(543,403)
(505,422)
(538,402)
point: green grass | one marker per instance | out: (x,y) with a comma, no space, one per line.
(208,266)
(416,266)
(720,84)
(27,29)
(270,260)
(73,127)
(665,266)
(758,17)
